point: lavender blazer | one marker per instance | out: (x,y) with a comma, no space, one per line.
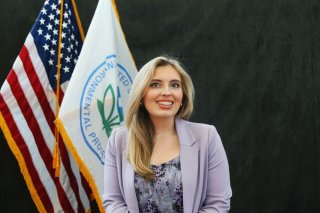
(204,168)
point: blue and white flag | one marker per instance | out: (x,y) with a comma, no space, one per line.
(96,98)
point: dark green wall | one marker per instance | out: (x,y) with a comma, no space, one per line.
(256,69)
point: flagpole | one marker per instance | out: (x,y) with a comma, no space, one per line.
(78,19)
(56,154)
(114,5)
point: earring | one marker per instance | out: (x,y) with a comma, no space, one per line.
(181,104)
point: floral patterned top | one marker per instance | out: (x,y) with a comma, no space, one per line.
(164,193)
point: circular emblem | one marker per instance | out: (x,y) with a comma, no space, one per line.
(103,103)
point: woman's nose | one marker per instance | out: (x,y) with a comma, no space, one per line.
(166,91)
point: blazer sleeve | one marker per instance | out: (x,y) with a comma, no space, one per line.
(219,192)
(113,200)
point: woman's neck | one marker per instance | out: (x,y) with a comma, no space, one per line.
(164,127)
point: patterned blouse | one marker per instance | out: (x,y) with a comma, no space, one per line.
(164,193)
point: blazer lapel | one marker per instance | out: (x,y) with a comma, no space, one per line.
(129,190)
(189,157)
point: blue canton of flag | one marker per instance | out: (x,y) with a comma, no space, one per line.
(46,32)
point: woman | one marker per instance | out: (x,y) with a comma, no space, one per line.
(160,162)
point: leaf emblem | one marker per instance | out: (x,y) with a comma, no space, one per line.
(108,121)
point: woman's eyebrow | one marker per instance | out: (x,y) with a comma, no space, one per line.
(156,79)
(159,80)
(175,80)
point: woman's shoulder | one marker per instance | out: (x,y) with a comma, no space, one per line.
(118,137)
(206,136)
(201,131)
(120,131)
(196,126)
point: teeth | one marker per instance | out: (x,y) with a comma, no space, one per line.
(167,103)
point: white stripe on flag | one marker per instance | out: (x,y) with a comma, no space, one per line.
(41,72)
(35,105)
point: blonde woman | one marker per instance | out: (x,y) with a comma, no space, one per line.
(160,162)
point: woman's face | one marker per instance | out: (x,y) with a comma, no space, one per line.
(163,96)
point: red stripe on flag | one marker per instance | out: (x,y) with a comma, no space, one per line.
(37,86)
(39,139)
(40,93)
(18,139)
(66,162)
(86,186)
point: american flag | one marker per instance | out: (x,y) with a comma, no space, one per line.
(28,104)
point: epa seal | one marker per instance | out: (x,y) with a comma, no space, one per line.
(102,104)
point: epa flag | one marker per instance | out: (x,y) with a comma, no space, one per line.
(29,99)
(96,98)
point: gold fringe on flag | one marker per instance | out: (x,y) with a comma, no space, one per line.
(80,163)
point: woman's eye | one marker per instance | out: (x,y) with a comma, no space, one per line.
(154,85)
(176,85)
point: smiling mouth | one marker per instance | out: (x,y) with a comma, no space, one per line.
(165,103)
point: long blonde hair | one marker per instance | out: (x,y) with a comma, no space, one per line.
(141,131)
